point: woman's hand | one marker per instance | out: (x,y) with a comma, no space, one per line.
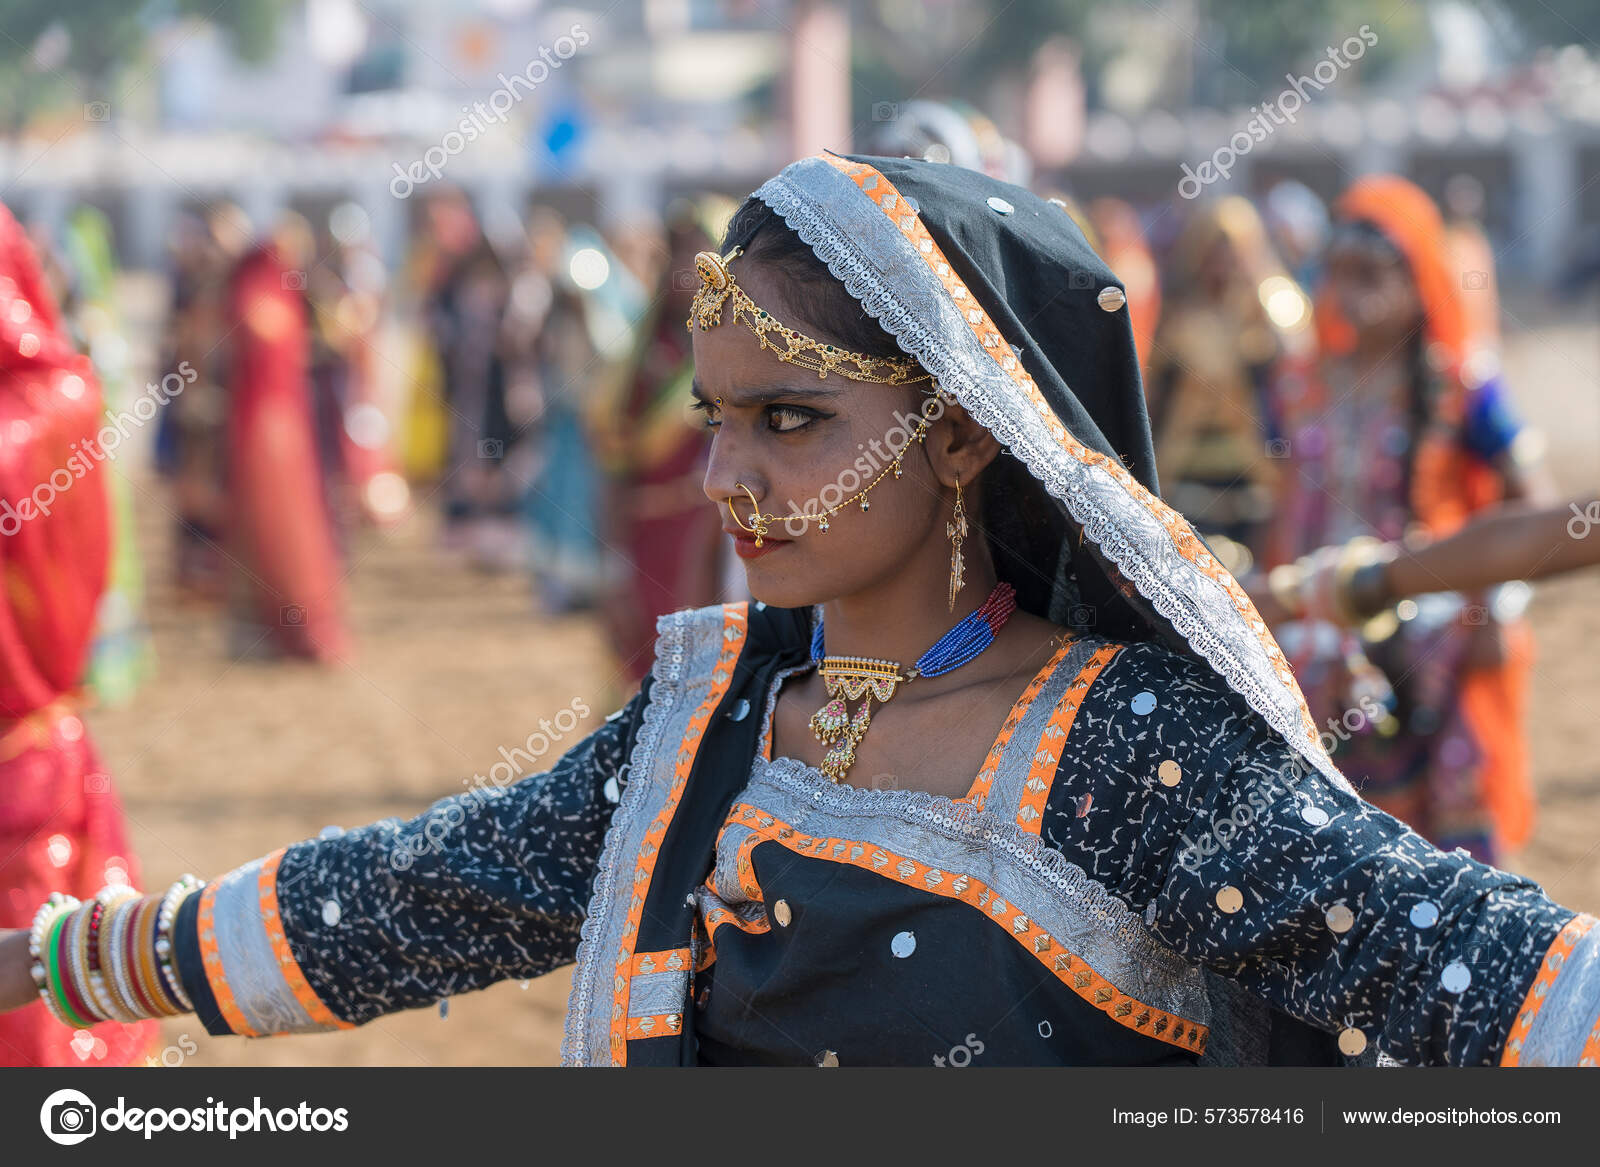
(16,981)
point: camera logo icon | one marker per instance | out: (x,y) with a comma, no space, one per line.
(67,1117)
(294,281)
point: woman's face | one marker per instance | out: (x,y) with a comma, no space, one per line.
(804,444)
(1375,292)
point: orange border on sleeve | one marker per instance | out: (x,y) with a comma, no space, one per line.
(735,628)
(648,1026)
(1555,958)
(212,959)
(1071,970)
(649,962)
(984,782)
(288,966)
(1041,775)
(1000,351)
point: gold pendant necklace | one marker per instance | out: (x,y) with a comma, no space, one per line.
(865,679)
(851,678)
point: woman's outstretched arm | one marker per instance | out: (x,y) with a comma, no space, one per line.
(332,932)
(1514,540)
(1244,858)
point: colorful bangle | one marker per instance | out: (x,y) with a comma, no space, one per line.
(65,997)
(1367,589)
(104,984)
(1284,582)
(44,921)
(140,958)
(114,962)
(75,949)
(150,964)
(166,950)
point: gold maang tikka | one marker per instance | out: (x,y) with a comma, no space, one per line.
(717,287)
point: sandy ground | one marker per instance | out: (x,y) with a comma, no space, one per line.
(221,762)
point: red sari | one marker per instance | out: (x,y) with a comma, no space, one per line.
(61,824)
(288,590)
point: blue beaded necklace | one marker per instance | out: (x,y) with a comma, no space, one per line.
(851,678)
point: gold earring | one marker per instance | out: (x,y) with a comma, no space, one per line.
(759,523)
(957,530)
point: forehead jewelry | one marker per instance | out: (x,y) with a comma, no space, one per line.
(759,524)
(717,287)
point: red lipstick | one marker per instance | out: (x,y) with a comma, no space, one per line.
(744,546)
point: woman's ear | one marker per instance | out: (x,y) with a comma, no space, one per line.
(958,445)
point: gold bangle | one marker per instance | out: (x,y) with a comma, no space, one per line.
(107,979)
(1359,552)
(1285,582)
(144,947)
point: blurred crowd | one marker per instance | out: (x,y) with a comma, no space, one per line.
(1317,376)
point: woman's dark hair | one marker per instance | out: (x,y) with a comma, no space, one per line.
(1023,526)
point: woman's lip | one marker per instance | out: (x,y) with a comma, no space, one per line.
(744,546)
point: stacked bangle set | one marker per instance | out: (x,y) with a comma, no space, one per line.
(110,959)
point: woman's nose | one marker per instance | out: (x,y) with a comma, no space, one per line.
(727,475)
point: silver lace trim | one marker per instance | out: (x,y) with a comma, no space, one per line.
(1119,947)
(249,963)
(877,265)
(1558,1033)
(595,956)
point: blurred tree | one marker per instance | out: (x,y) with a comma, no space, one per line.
(101,37)
(1557,22)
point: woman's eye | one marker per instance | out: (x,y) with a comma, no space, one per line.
(709,411)
(784,418)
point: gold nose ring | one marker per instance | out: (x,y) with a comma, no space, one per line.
(759,523)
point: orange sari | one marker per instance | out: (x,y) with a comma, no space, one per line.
(1488,703)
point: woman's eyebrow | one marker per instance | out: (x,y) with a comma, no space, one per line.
(769,394)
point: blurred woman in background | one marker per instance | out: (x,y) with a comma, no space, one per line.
(286,588)
(1233,324)
(654,452)
(60,822)
(1399,433)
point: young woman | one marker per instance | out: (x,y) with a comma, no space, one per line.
(1399,432)
(666,544)
(1233,326)
(286,583)
(61,823)
(797,844)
